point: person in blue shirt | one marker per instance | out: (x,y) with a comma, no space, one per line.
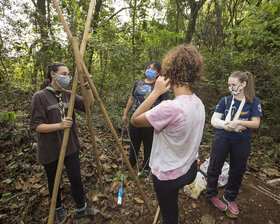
(141,90)
(233,118)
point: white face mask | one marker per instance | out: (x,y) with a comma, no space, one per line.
(62,81)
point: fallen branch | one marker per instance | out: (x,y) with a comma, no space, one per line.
(156,217)
(267,193)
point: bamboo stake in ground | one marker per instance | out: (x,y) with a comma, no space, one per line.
(70,112)
(97,97)
(88,111)
(156,216)
(105,112)
(62,152)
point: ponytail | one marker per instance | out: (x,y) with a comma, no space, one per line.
(250,87)
(44,84)
(53,67)
(249,90)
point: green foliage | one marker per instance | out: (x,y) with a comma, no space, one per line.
(260,28)
(8,117)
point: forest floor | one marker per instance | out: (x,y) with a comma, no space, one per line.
(24,195)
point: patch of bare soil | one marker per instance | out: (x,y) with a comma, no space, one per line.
(29,200)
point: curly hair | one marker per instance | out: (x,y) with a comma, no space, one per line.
(183,64)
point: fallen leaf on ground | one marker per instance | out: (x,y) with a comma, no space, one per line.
(138,200)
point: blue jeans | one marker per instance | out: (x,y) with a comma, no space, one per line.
(239,150)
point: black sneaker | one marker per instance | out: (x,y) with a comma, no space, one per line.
(60,214)
(86,211)
(146,173)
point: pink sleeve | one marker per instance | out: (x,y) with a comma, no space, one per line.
(160,116)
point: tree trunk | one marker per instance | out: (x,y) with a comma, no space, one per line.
(195,7)
(133,36)
(94,26)
(43,59)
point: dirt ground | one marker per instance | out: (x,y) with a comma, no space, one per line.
(30,201)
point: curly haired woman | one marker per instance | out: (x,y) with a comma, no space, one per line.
(178,125)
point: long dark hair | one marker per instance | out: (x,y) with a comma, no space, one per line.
(53,67)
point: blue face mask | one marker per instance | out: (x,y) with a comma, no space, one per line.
(150,73)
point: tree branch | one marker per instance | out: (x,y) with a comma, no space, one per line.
(180,10)
(112,16)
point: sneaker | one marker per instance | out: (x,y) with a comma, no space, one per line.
(146,173)
(218,203)
(232,206)
(86,211)
(60,214)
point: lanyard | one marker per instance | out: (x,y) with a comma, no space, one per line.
(228,117)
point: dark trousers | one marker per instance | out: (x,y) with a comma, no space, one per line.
(137,135)
(167,194)
(72,165)
(239,150)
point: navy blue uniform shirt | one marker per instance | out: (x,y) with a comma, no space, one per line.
(249,110)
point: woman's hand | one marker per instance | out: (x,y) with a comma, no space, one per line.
(240,128)
(231,125)
(124,119)
(66,123)
(161,85)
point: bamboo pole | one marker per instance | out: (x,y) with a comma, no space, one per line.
(97,97)
(62,152)
(87,26)
(156,216)
(104,112)
(70,112)
(88,112)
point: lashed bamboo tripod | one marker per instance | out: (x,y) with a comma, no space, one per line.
(80,73)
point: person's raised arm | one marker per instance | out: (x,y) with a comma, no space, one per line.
(139,118)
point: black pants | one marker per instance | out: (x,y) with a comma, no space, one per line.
(167,194)
(239,150)
(72,165)
(137,135)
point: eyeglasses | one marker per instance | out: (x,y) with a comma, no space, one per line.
(64,74)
